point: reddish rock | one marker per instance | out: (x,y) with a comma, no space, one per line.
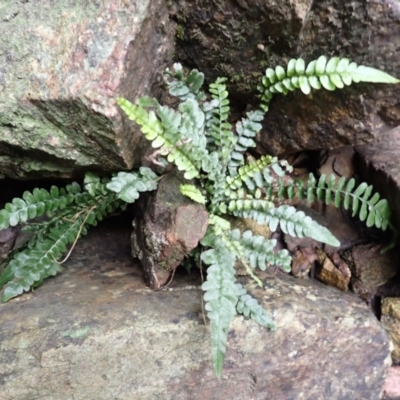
(168,226)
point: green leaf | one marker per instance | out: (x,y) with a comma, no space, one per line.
(193,193)
(4,219)
(368,74)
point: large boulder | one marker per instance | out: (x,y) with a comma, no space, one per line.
(239,39)
(97,332)
(62,66)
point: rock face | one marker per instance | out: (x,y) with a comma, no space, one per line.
(167,227)
(96,332)
(63,64)
(239,39)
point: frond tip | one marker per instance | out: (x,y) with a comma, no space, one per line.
(335,73)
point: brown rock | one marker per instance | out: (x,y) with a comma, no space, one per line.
(338,162)
(336,273)
(303,261)
(95,331)
(168,226)
(370,269)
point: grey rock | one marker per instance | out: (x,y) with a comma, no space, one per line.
(97,332)
(62,66)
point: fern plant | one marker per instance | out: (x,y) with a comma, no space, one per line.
(200,140)
(68,213)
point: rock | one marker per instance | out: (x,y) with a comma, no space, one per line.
(63,65)
(239,39)
(303,261)
(371,269)
(168,226)
(390,320)
(7,240)
(338,162)
(392,385)
(336,273)
(96,331)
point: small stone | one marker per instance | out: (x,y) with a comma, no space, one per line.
(336,273)
(168,226)
(391,322)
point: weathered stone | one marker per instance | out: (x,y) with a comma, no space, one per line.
(391,322)
(239,39)
(371,269)
(7,240)
(96,331)
(338,162)
(63,65)
(303,261)
(392,385)
(168,226)
(336,273)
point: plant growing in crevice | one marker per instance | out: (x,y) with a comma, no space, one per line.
(200,140)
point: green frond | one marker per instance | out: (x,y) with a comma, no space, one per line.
(182,86)
(29,268)
(321,73)
(260,251)
(220,299)
(220,132)
(127,185)
(185,155)
(249,307)
(246,130)
(35,204)
(361,199)
(193,193)
(95,185)
(292,222)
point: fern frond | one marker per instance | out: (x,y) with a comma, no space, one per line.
(193,193)
(37,203)
(127,185)
(31,267)
(220,132)
(321,73)
(361,199)
(260,251)
(249,307)
(292,222)
(246,129)
(220,298)
(256,175)
(184,155)
(182,86)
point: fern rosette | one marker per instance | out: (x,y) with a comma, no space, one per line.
(199,138)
